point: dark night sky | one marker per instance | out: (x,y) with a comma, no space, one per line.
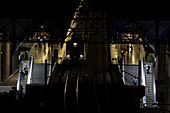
(58,9)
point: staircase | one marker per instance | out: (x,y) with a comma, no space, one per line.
(149,88)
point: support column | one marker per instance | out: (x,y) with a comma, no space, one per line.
(157,49)
(0,62)
(6,59)
(168,82)
(168,74)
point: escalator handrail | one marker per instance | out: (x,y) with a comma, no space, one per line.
(50,70)
(121,67)
(30,70)
(19,77)
(143,79)
(143,74)
(154,84)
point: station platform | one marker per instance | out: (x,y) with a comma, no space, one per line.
(40,54)
(131,55)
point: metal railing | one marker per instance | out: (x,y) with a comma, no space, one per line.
(143,74)
(120,61)
(154,84)
(30,70)
(19,76)
(51,68)
(121,69)
(143,80)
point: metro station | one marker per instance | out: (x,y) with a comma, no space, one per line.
(85,59)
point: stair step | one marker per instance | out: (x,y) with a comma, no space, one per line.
(149,85)
(149,104)
(148,79)
(149,89)
(149,100)
(148,75)
(150,96)
(149,82)
(149,93)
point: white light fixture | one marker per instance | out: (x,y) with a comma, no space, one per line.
(74,44)
(81,56)
(68,56)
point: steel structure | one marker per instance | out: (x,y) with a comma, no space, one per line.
(108,21)
(97,19)
(17,26)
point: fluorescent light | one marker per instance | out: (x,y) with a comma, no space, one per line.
(75,44)
(68,56)
(81,56)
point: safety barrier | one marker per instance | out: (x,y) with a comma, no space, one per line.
(121,67)
(143,81)
(154,84)
(142,75)
(30,70)
(50,69)
(19,76)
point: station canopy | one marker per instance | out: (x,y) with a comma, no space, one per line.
(139,9)
(64,9)
(57,15)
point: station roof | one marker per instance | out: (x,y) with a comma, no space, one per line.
(139,9)
(57,14)
(38,9)
(62,11)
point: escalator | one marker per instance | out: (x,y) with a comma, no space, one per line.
(36,96)
(38,73)
(130,96)
(120,96)
(22,76)
(56,88)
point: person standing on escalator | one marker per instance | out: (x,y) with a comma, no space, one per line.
(26,70)
(135,81)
